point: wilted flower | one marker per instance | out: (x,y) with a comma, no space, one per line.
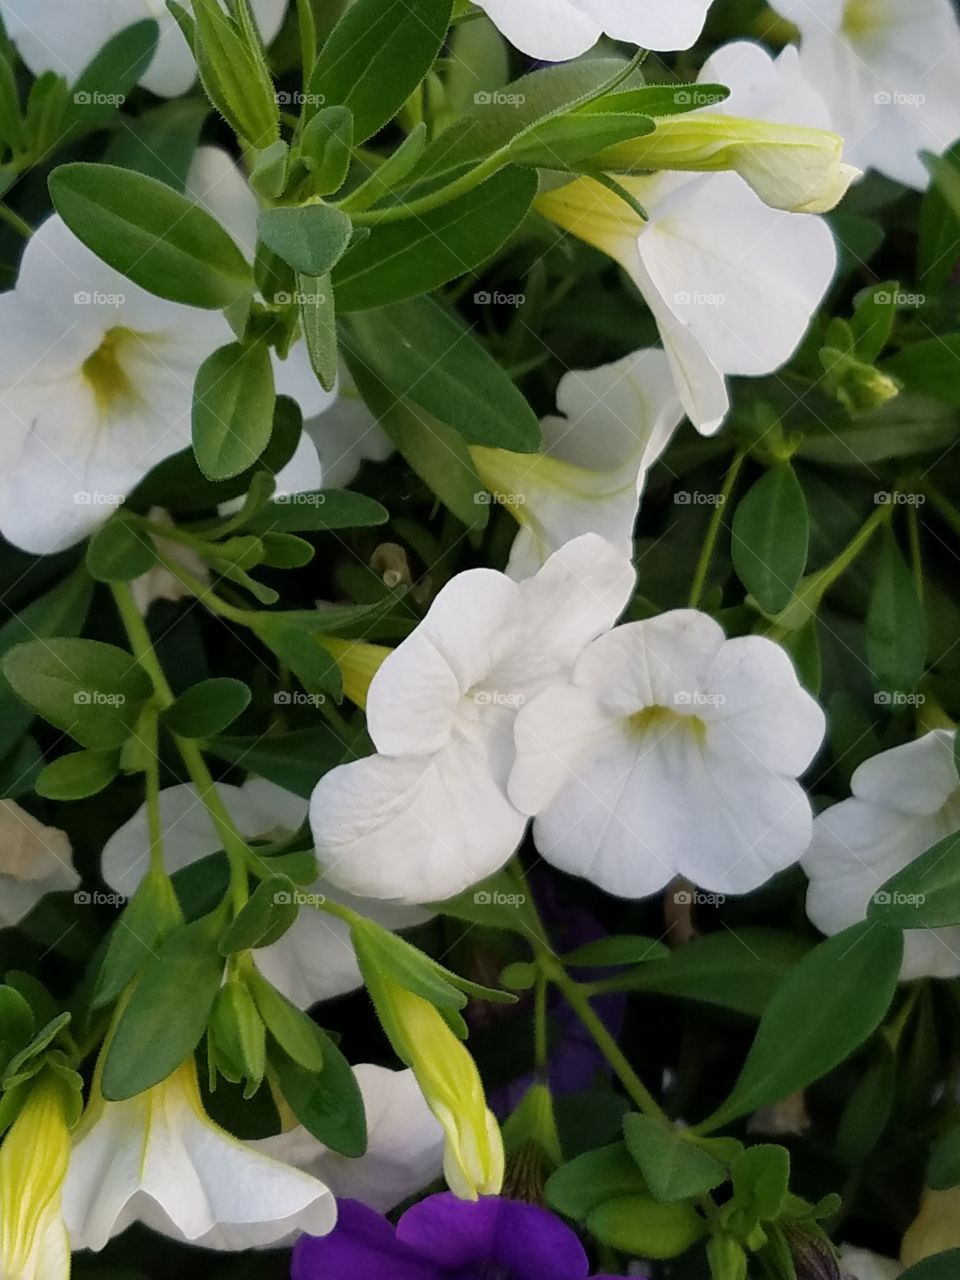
(34,860)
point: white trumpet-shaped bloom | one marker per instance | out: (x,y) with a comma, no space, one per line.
(314,960)
(340,433)
(888,72)
(773,130)
(732,283)
(404,1151)
(904,801)
(96,388)
(672,752)
(159,1159)
(554,30)
(617,420)
(34,860)
(33,1164)
(429,815)
(65,38)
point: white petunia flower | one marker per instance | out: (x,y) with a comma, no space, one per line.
(904,801)
(65,38)
(732,283)
(159,1159)
(888,72)
(429,814)
(404,1144)
(34,860)
(96,388)
(773,130)
(672,752)
(617,420)
(314,960)
(554,30)
(861,1264)
(340,433)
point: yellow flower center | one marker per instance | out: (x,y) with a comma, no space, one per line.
(104,370)
(860,18)
(661,720)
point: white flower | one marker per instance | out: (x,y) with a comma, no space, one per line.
(773,131)
(159,1159)
(404,1144)
(731,283)
(96,388)
(555,30)
(34,860)
(673,752)
(429,814)
(617,421)
(338,427)
(861,1264)
(65,38)
(888,71)
(904,801)
(314,960)
(33,1165)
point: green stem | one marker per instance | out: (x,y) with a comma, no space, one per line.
(713,531)
(540,1044)
(943,508)
(234,844)
(916,553)
(204,593)
(14,220)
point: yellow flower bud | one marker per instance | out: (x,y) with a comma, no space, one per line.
(473,1158)
(789,167)
(33,1165)
(358,661)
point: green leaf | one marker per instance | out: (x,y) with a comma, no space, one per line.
(567,140)
(402,259)
(771,534)
(328,1103)
(135,936)
(929,368)
(269,174)
(11,118)
(614,951)
(326,148)
(837,995)
(234,74)
(295,760)
(151,234)
(296,1034)
(16,1024)
(102,86)
(582,1185)
(167,1014)
(736,970)
(896,632)
(761,1181)
(311,238)
(673,1167)
(233,406)
(495,903)
(437,453)
(91,690)
(300,650)
(424,353)
(267,915)
(119,552)
(640,1226)
(207,708)
(376,56)
(78,775)
(160,142)
(318,316)
(943,1171)
(925,894)
(941,1266)
(873,320)
(318,510)
(940,220)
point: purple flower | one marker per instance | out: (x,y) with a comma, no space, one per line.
(443,1238)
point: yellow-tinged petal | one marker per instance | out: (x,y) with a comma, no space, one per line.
(473,1161)
(359,662)
(33,1165)
(597,215)
(790,167)
(935,1229)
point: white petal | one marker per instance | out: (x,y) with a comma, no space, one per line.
(404,1150)
(861,1264)
(216,182)
(417,828)
(554,30)
(918,777)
